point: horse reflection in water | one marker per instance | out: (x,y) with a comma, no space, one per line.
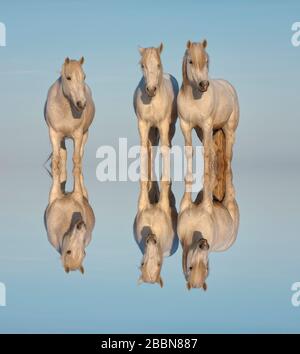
(69,221)
(155,229)
(206,226)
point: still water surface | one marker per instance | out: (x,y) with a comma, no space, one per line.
(248,285)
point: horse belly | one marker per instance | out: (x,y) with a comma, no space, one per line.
(221,116)
(224,105)
(223,230)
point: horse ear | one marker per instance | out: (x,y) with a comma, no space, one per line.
(67,60)
(160,282)
(141,50)
(188,44)
(67,269)
(188,285)
(204,43)
(81,60)
(204,286)
(160,48)
(81,269)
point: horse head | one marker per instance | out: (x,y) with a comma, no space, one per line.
(73,83)
(152,262)
(152,68)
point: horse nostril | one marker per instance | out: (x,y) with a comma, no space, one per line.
(204,85)
(80,105)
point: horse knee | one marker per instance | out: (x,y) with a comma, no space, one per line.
(165,150)
(76,160)
(189,151)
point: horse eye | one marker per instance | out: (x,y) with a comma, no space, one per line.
(158,65)
(142,264)
(191,62)
(142,66)
(191,268)
(69,252)
(69,78)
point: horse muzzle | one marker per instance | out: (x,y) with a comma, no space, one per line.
(80,105)
(203,85)
(151,91)
(203,244)
(151,239)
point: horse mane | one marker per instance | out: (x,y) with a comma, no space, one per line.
(184,73)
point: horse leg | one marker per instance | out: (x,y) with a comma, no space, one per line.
(164,198)
(84,190)
(186,200)
(144,134)
(63,157)
(78,137)
(55,191)
(165,149)
(55,142)
(229,131)
(144,201)
(84,140)
(77,188)
(188,149)
(153,139)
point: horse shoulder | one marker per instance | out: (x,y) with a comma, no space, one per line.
(172,83)
(138,91)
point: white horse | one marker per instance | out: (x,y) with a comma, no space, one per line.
(156,110)
(205,226)
(155,229)
(69,111)
(69,221)
(206,105)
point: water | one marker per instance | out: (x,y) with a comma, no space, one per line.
(248,286)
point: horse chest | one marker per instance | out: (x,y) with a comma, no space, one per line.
(193,111)
(67,124)
(154,112)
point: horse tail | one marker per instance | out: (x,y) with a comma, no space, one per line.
(220,164)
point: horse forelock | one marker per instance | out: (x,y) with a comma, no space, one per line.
(198,55)
(71,67)
(148,53)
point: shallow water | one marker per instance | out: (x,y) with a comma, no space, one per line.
(248,286)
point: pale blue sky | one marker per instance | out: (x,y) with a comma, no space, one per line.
(248,42)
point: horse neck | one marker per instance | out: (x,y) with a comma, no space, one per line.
(61,97)
(185,81)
